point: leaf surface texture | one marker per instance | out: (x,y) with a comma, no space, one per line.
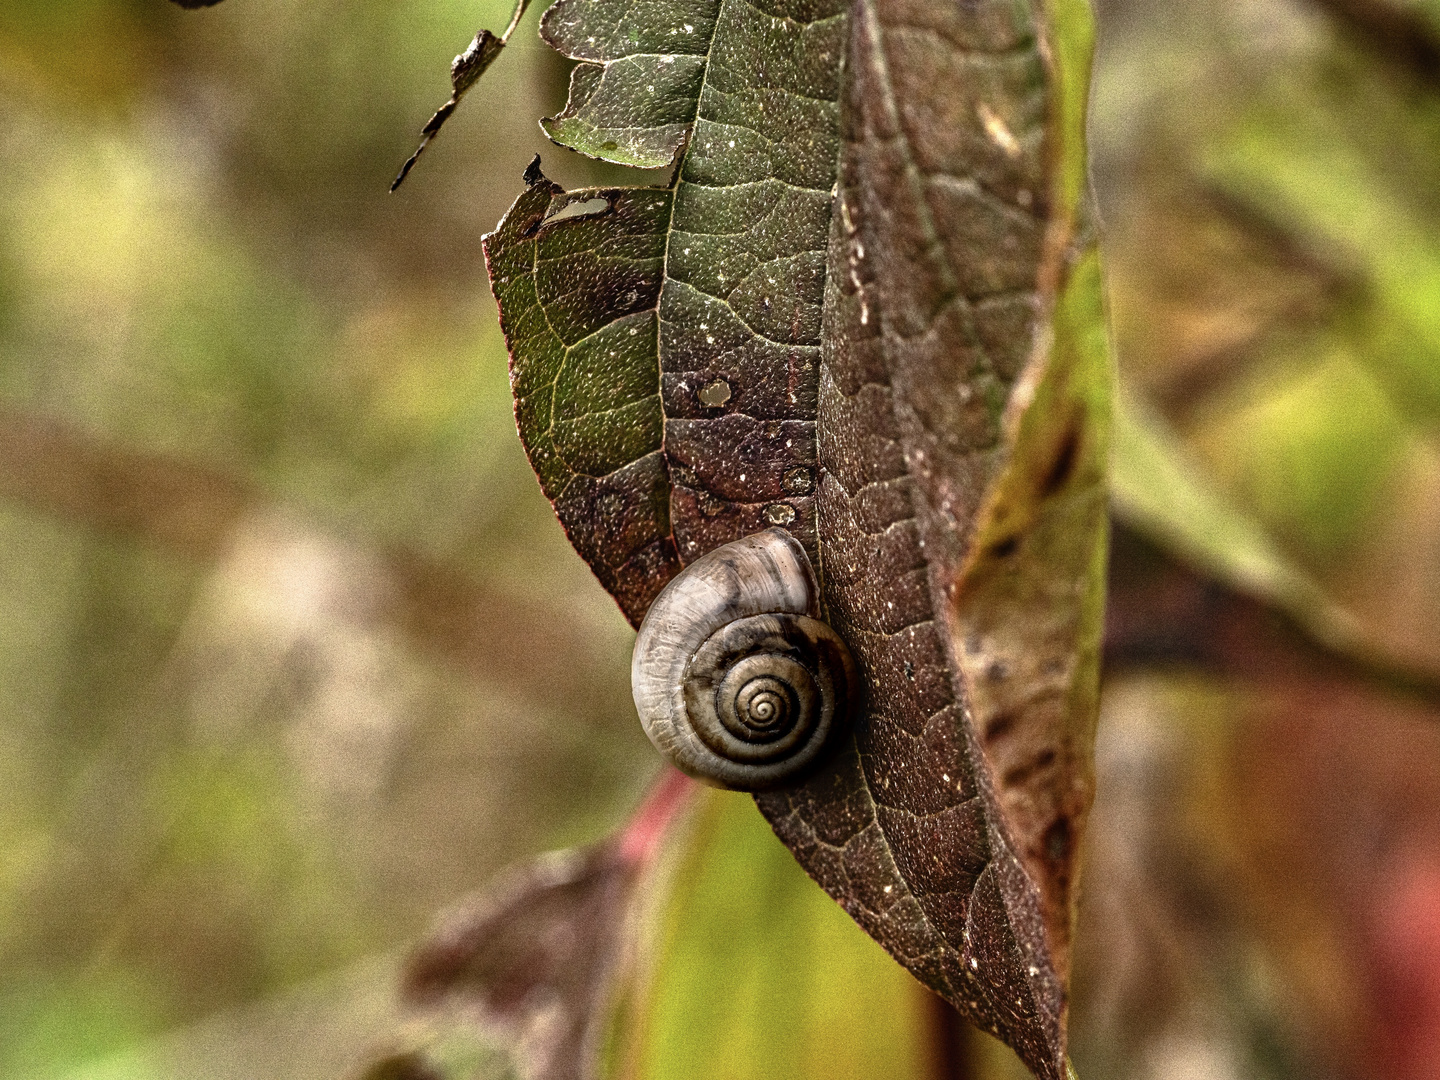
(866,308)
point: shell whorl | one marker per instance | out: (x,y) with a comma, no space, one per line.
(736,679)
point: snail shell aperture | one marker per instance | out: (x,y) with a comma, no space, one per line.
(736,679)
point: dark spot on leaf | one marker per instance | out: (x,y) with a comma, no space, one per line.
(1063,467)
(1003,549)
(409,1066)
(1023,772)
(910,670)
(998,671)
(1001,725)
(1057,840)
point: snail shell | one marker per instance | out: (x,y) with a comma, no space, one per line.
(736,679)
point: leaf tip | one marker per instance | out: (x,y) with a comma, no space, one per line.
(409,164)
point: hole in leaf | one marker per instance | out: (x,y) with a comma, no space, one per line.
(714,394)
(779,514)
(585,208)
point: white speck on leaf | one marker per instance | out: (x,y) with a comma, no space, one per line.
(999,132)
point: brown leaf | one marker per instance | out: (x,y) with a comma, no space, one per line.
(961,514)
(535,957)
(905,369)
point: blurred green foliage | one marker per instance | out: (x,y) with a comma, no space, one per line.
(1266,173)
(758,973)
(240,746)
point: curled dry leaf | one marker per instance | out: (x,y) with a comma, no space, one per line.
(866,309)
(465,72)
(535,958)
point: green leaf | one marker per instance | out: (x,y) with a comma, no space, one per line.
(1275,295)
(756,974)
(1310,175)
(633,97)
(696,307)
(1158,488)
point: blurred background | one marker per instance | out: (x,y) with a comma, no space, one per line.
(293,654)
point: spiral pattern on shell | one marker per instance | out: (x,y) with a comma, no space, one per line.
(736,679)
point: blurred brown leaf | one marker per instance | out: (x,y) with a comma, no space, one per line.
(1266,804)
(1406,31)
(536,956)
